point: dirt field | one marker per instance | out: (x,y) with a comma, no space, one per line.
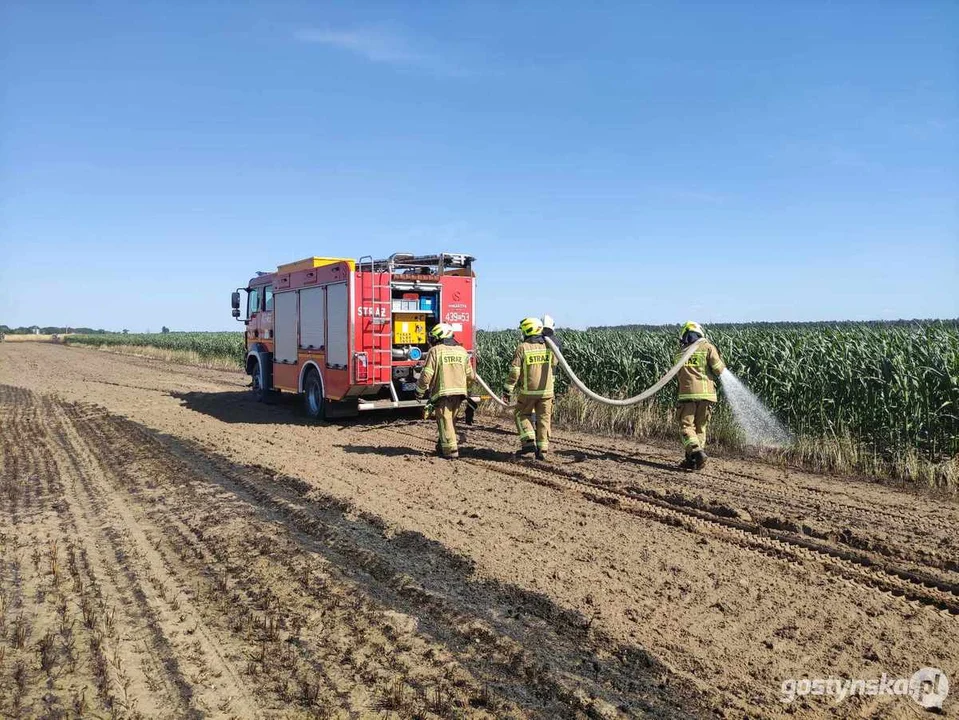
(169,548)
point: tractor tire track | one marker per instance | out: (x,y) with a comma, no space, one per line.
(594,449)
(912,548)
(858,567)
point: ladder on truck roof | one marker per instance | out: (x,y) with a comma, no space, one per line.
(377,296)
(438,264)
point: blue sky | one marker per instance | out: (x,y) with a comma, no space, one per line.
(606,162)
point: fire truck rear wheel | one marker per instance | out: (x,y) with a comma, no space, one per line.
(314,404)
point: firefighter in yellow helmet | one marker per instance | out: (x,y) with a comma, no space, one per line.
(697,393)
(446,376)
(531,379)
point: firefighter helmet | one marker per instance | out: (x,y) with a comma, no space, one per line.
(690,333)
(441,331)
(531,327)
(691,326)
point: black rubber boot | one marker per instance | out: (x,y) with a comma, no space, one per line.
(687,463)
(527,449)
(542,455)
(699,460)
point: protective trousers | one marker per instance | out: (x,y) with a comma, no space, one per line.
(542,408)
(693,417)
(445,409)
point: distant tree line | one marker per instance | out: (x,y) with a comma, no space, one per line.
(7,330)
(790,325)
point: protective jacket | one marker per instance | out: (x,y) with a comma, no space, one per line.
(447,371)
(696,377)
(531,372)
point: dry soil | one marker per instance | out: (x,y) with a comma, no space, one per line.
(171,548)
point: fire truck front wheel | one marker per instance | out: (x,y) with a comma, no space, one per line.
(314,404)
(259,392)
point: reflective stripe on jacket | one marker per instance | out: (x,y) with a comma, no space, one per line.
(448,371)
(696,376)
(531,372)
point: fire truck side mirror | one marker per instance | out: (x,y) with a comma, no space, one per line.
(235,301)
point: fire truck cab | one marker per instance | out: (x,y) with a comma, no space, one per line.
(351,335)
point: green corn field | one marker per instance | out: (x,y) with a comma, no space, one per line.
(207,345)
(888,386)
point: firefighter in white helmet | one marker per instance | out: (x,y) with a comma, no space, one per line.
(697,393)
(446,376)
(531,380)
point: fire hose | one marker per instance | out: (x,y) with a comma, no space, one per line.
(645,395)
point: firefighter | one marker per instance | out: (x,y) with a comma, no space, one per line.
(531,380)
(697,394)
(446,376)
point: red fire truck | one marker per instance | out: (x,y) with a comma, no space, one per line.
(351,335)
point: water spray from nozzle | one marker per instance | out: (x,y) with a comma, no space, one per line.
(759,426)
